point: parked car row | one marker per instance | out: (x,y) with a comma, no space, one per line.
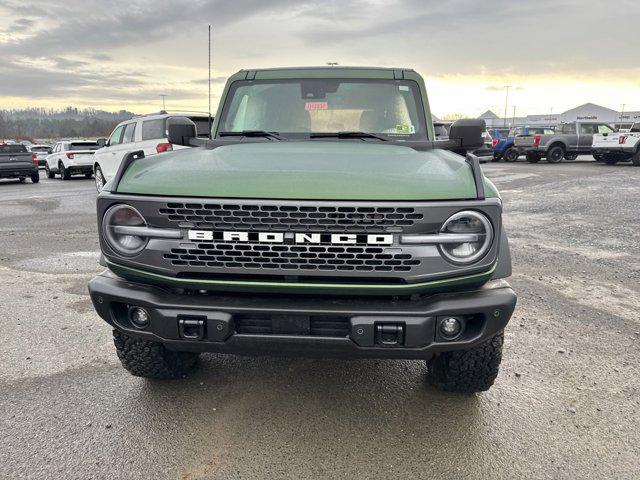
(100,157)
(566,142)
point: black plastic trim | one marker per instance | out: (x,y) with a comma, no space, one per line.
(126,163)
(418,316)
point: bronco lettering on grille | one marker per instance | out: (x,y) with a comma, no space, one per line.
(298,238)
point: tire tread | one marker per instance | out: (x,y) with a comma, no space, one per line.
(145,358)
(468,371)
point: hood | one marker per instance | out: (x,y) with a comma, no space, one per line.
(308,170)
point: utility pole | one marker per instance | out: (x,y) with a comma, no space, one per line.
(622,112)
(506,103)
(513,124)
(163,102)
(209,80)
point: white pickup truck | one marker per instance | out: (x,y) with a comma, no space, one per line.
(612,148)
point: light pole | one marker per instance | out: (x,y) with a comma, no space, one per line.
(506,103)
(163,103)
(622,112)
(513,124)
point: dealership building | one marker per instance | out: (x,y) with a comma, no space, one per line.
(588,112)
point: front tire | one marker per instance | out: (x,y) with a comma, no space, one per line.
(99,178)
(555,154)
(467,371)
(144,358)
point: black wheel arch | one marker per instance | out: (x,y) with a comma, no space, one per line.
(503,267)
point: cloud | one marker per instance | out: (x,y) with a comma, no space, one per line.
(132,50)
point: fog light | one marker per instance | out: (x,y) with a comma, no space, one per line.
(450,327)
(139,317)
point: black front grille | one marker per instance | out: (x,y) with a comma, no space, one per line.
(295,218)
(314,325)
(230,255)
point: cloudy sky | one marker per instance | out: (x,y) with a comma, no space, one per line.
(124,53)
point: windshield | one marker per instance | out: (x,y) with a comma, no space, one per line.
(41,149)
(17,148)
(297,108)
(84,146)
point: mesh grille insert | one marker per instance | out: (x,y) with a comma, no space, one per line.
(291,257)
(290,217)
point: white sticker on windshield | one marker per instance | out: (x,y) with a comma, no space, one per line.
(403,88)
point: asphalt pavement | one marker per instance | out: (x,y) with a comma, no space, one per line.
(565,405)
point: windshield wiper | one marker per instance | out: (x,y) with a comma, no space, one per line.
(251,133)
(347,135)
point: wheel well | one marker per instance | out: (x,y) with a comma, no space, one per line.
(558,144)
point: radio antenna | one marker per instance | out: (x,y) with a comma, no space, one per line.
(209,81)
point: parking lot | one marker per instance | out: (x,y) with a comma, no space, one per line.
(566,403)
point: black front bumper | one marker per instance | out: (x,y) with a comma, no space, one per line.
(80,169)
(318,326)
(18,171)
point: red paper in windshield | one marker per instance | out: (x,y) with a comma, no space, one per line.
(316,106)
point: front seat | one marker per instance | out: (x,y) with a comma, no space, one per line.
(374,122)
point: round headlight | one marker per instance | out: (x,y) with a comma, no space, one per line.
(119,240)
(471,223)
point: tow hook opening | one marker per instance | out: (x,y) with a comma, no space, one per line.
(192,328)
(389,334)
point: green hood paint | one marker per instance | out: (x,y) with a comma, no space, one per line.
(305,170)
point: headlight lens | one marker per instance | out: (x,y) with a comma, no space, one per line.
(123,216)
(467,222)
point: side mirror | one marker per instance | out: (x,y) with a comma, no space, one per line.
(469,132)
(102,142)
(180,131)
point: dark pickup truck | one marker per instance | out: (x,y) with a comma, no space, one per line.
(17,162)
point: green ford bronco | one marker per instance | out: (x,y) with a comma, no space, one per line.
(322,218)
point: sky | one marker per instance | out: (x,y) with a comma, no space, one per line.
(123,54)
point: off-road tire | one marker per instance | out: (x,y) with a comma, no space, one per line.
(511,155)
(144,358)
(35,178)
(48,171)
(65,174)
(533,158)
(555,154)
(467,371)
(610,159)
(636,159)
